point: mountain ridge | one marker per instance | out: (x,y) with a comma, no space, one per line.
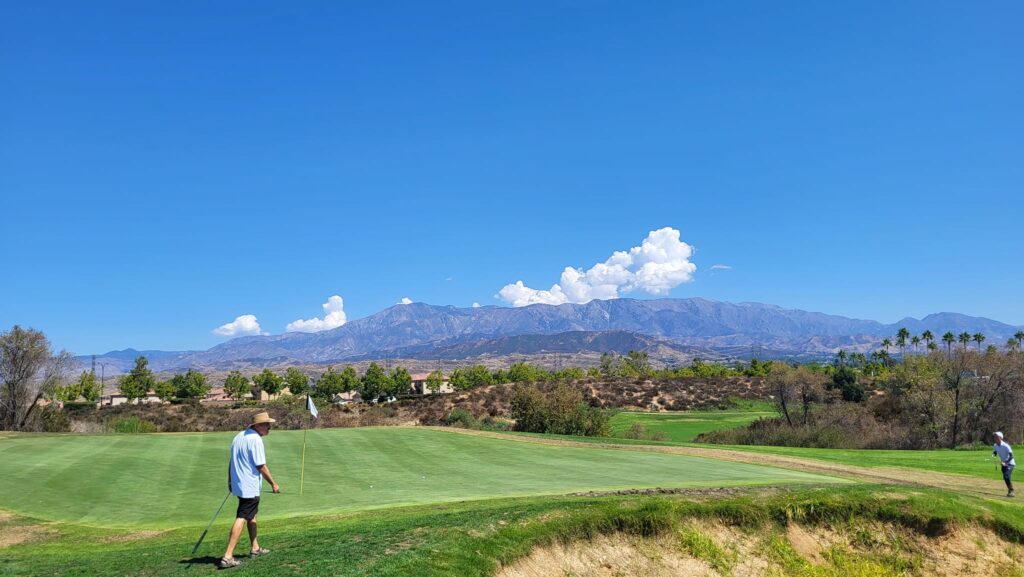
(689,324)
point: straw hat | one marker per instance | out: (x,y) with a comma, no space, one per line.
(261,418)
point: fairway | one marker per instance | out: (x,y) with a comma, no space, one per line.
(683,427)
(161,481)
(977,463)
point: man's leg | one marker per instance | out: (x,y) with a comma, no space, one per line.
(252,535)
(1007,477)
(236,532)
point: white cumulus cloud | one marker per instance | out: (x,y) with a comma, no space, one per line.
(476,305)
(334,317)
(405,301)
(659,264)
(242,325)
(720,267)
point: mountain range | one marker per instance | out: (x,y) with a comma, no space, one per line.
(672,330)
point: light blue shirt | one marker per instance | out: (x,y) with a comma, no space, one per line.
(1004,452)
(247,457)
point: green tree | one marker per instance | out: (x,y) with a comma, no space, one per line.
(609,365)
(1019,335)
(29,370)
(374,383)
(927,337)
(435,381)
(964,338)
(268,382)
(89,388)
(349,379)
(845,380)
(296,381)
(459,380)
(638,363)
(192,385)
(523,373)
(916,341)
(236,385)
(479,376)
(401,381)
(165,390)
(901,339)
(529,409)
(138,382)
(978,338)
(949,339)
(1011,344)
(330,384)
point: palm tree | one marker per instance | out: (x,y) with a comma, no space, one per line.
(901,339)
(915,340)
(978,338)
(1011,344)
(842,357)
(1019,335)
(932,346)
(927,337)
(964,338)
(949,339)
(887,342)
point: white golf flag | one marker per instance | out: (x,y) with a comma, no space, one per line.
(311,406)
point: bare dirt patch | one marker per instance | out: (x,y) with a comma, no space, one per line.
(608,556)
(129,537)
(11,536)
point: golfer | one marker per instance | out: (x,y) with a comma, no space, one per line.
(246,471)
(1005,454)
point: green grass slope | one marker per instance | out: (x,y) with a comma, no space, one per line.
(683,427)
(162,481)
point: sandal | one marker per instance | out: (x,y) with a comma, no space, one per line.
(258,552)
(228,562)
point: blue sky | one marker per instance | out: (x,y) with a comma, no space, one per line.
(167,167)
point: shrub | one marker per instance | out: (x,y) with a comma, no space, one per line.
(131,425)
(460,417)
(561,412)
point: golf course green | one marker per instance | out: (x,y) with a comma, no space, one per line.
(173,480)
(683,427)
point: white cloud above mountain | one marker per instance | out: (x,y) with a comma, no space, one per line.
(405,301)
(243,325)
(334,317)
(659,264)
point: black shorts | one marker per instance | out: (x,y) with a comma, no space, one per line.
(247,508)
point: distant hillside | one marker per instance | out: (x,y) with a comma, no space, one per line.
(679,325)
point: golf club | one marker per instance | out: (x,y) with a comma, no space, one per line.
(203,536)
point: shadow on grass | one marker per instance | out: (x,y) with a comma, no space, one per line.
(207,560)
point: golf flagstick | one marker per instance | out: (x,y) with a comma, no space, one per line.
(205,531)
(312,411)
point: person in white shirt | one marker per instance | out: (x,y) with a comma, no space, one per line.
(1004,452)
(246,471)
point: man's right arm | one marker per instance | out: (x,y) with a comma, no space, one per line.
(270,478)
